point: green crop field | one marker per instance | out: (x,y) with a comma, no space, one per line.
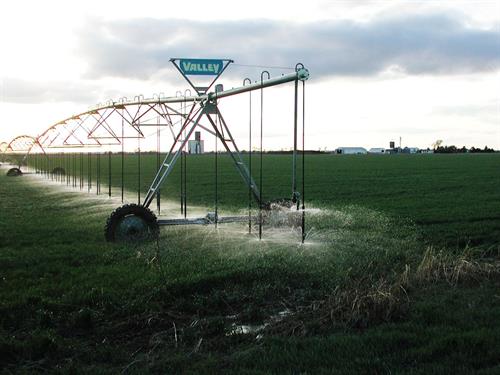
(454,199)
(400,272)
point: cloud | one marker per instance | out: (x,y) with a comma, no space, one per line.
(140,48)
(434,44)
(16,90)
(488,112)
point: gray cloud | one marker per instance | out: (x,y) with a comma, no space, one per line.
(416,44)
(141,49)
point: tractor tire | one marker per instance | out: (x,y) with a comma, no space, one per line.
(131,223)
(14,172)
(59,171)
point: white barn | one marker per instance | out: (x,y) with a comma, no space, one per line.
(377,150)
(350,150)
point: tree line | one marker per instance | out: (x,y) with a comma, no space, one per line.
(455,150)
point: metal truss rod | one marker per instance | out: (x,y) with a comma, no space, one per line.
(169,161)
(301,75)
(235,155)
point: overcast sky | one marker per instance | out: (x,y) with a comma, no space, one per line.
(380,70)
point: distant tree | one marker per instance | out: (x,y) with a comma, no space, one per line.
(454,150)
(446,150)
(476,150)
(437,144)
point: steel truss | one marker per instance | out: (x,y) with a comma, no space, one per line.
(207,107)
(112,123)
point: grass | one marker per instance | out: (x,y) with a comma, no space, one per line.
(454,199)
(364,295)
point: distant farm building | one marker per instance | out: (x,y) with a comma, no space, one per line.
(410,150)
(196,146)
(377,150)
(351,150)
(407,150)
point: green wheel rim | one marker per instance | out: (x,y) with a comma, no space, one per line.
(132,228)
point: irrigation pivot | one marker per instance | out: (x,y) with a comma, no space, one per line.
(117,126)
(17,151)
(206,107)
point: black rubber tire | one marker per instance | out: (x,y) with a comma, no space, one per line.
(14,172)
(132,210)
(59,171)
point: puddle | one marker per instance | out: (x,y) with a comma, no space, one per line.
(246,329)
(243,329)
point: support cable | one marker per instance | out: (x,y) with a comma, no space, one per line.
(138,168)
(75,170)
(81,170)
(250,198)
(98,173)
(109,174)
(123,155)
(216,167)
(158,161)
(185,175)
(68,165)
(185,164)
(261,150)
(182,163)
(295,198)
(89,172)
(303,160)
(187,92)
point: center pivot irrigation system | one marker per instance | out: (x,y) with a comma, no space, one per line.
(111,123)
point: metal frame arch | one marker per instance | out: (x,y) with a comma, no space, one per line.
(101,125)
(45,136)
(26,141)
